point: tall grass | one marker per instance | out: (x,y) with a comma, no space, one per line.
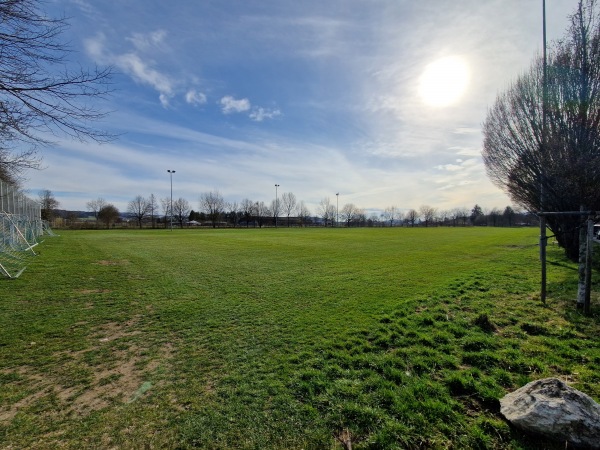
(284,338)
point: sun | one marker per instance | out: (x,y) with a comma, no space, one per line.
(444,81)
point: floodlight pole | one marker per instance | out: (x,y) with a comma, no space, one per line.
(276,205)
(337,209)
(543,238)
(171,172)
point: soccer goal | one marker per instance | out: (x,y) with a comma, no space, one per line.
(20,227)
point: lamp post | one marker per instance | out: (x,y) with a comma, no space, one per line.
(276,205)
(171,172)
(337,208)
(543,239)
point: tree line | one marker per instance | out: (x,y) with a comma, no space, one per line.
(214,211)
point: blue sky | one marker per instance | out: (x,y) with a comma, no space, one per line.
(320,97)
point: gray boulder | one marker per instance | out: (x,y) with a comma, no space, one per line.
(551,408)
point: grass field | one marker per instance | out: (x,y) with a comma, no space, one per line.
(285,338)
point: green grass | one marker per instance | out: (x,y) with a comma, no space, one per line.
(285,338)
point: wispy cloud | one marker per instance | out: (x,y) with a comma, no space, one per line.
(148,41)
(466,130)
(142,72)
(450,167)
(259,114)
(140,69)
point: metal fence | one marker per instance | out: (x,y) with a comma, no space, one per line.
(21,226)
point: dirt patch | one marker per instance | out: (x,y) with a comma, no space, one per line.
(34,384)
(108,262)
(116,368)
(116,330)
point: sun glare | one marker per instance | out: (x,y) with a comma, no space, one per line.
(444,81)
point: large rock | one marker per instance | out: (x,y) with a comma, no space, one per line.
(551,408)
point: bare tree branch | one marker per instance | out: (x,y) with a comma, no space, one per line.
(40,96)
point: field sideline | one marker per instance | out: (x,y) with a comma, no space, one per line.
(285,338)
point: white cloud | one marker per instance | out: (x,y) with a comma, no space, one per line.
(164,100)
(142,72)
(461,164)
(194,97)
(259,114)
(231,105)
(134,65)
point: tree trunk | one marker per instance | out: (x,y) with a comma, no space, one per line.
(566,231)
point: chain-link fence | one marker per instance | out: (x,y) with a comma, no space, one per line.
(20,227)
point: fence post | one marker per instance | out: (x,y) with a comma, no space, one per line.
(543,242)
(581,261)
(588,265)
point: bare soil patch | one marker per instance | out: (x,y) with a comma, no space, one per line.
(107,262)
(116,368)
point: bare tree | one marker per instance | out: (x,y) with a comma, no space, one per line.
(443,216)
(288,204)
(213,204)
(165,204)
(139,208)
(455,215)
(95,206)
(152,208)
(233,213)
(411,217)
(349,213)
(494,216)
(462,213)
(428,214)
(14,162)
(108,214)
(552,166)
(38,95)
(48,203)
(275,209)
(361,217)
(374,220)
(261,210)
(326,210)
(247,210)
(181,210)
(391,214)
(303,212)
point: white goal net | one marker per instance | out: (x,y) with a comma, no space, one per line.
(20,227)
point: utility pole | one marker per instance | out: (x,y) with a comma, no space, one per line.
(171,172)
(276,205)
(337,209)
